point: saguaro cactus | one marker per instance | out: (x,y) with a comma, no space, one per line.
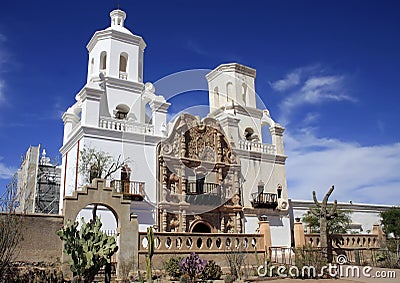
(324,216)
(150,253)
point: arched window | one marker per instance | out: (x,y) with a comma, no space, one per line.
(216,97)
(103,60)
(248,134)
(244,93)
(266,134)
(148,114)
(92,66)
(123,62)
(229,91)
(121,111)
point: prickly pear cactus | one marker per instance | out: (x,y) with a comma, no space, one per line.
(89,248)
(150,253)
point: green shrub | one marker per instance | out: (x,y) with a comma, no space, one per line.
(171,266)
(211,271)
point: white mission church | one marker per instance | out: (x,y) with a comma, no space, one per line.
(214,174)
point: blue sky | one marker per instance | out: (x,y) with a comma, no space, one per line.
(327,70)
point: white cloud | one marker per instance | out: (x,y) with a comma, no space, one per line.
(292,79)
(316,90)
(360,173)
(309,86)
(311,117)
(6,172)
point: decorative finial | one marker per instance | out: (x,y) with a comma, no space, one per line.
(118,6)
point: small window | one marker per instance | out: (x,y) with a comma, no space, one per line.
(123,62)
(229,91)
(244,93)
(248,134)
(92,66)
(216,97)
(103,60)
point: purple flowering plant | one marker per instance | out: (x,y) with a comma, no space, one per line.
(192,266)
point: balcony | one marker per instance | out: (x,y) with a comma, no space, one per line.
(132,190)
(201,193)
(257,147)
(264,200)
(125,125)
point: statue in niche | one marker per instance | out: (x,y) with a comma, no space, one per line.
(174,224)
(230,226)
(236,200)
(173,180)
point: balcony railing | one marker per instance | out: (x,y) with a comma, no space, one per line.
(199,193)
(196,188)
(130,189)
(264,200)
(257,147)
(125,125)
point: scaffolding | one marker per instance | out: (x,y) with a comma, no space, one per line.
(47,189)
(38,184)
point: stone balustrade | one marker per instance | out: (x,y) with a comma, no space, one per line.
(346,241)
(184,243)
(125,125)
(257,147)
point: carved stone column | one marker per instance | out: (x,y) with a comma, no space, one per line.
(219,148)
(222,223)
(164,181)
(183,221)
(164,221)
(238,222)
(183,145)
(182,181)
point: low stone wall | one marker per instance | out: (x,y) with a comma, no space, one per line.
(346,241)
(215,246)
(39,240)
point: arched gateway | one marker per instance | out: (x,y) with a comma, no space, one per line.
(127,223)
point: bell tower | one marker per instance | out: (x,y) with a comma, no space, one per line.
(116,52)
(231,84)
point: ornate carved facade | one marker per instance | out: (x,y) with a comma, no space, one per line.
(199,179)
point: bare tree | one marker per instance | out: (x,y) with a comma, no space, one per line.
(10,227)
(324,216)
(95,163)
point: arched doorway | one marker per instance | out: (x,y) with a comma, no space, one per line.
(201,227)
(127,224)
(107,217)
